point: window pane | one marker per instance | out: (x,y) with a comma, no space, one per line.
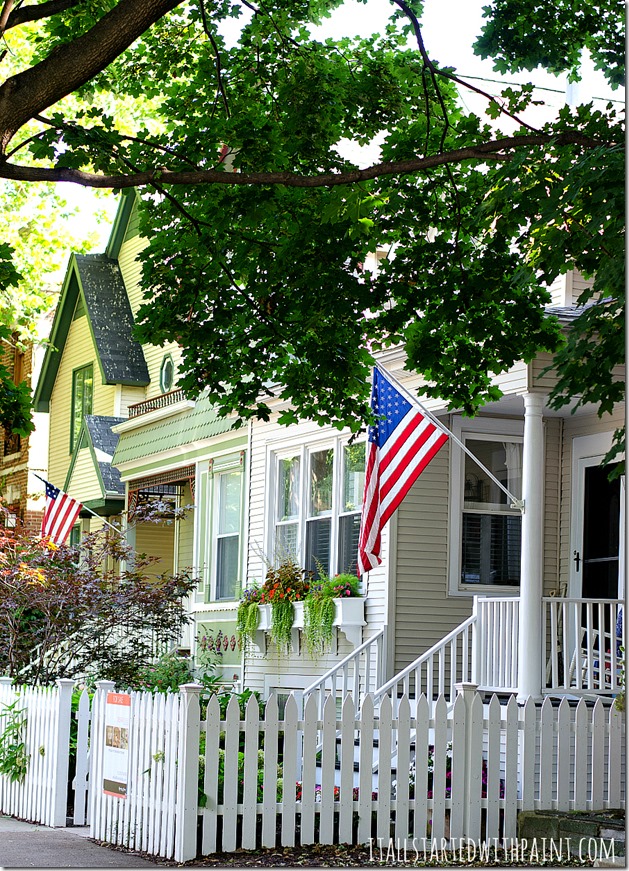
(227,567)
(229,502)
(349,530)
(353,476)
(286,541)
(89,390)
(321,471)
(288,489)
(318,545)
(82,394)
(504,460)
(491,549)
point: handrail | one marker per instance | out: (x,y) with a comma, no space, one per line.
(162,400)
(437,648)
(342,668)
(339,665)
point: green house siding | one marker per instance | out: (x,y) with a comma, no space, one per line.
(184,431)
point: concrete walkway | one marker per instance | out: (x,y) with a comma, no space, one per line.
(27,845)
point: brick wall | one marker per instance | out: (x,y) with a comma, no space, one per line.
(14,452)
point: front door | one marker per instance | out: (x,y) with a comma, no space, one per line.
(596,512)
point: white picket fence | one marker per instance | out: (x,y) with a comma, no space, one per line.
(301,780)
(42,795)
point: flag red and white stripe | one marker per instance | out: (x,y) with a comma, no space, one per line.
(60,514)
(400,446)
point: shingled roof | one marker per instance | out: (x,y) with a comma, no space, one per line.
(104,443)
(121,357)
(96,280)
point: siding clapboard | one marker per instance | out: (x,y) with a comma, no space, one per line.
(79,351)
(131,268)
(267,437)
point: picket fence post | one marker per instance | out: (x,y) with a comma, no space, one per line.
(468,692)
(62,751)
(188,773)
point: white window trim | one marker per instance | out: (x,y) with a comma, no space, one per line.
(285,450)
(215,535)
(464,428)
(207,472)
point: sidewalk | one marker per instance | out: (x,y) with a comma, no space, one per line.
(27,845)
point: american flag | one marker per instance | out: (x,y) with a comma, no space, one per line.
(400,445)
(60,514)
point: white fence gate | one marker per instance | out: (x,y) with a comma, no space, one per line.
(221,784)
(41,719)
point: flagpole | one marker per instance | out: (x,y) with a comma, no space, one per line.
(516,503)
(106,522)
(93,513)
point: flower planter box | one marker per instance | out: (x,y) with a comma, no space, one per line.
(349,619)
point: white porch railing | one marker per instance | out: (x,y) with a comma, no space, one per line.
(583,639)
(359,673)
(496,643)
(438,670)
(581,643)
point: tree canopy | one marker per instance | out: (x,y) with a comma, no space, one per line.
(259,223)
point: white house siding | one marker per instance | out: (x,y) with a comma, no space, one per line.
(265,438)
(131,269)
(566,289)
(514,380)
(270,671)
(79,351)
(574,427)
(537,380)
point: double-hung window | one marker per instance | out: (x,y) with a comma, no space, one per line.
(317,498)
(82,400)
(486,528)
(226,529)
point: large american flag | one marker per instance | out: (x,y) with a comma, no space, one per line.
(60,514)
(400,445)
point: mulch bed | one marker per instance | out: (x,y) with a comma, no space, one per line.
(345,856)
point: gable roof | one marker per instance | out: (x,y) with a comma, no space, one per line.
(96,281)
(96,434)
(103,443)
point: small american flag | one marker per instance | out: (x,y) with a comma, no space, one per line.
(400,445)
(60,514)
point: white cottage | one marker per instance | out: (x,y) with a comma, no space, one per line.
(470,587)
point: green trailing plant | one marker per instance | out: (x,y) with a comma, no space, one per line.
(248,615)
(320,609)
(284,585)
(14,759)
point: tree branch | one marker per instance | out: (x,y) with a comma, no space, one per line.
(495,149)
(435,71)
(68,67)
(35,13)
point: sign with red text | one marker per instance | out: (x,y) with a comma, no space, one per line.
(116,752)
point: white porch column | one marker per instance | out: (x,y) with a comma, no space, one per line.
(530,654)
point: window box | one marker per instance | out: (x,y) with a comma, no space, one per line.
(349,619)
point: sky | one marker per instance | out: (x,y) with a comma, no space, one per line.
(447,44)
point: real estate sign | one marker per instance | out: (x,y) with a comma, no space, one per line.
(116,751)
